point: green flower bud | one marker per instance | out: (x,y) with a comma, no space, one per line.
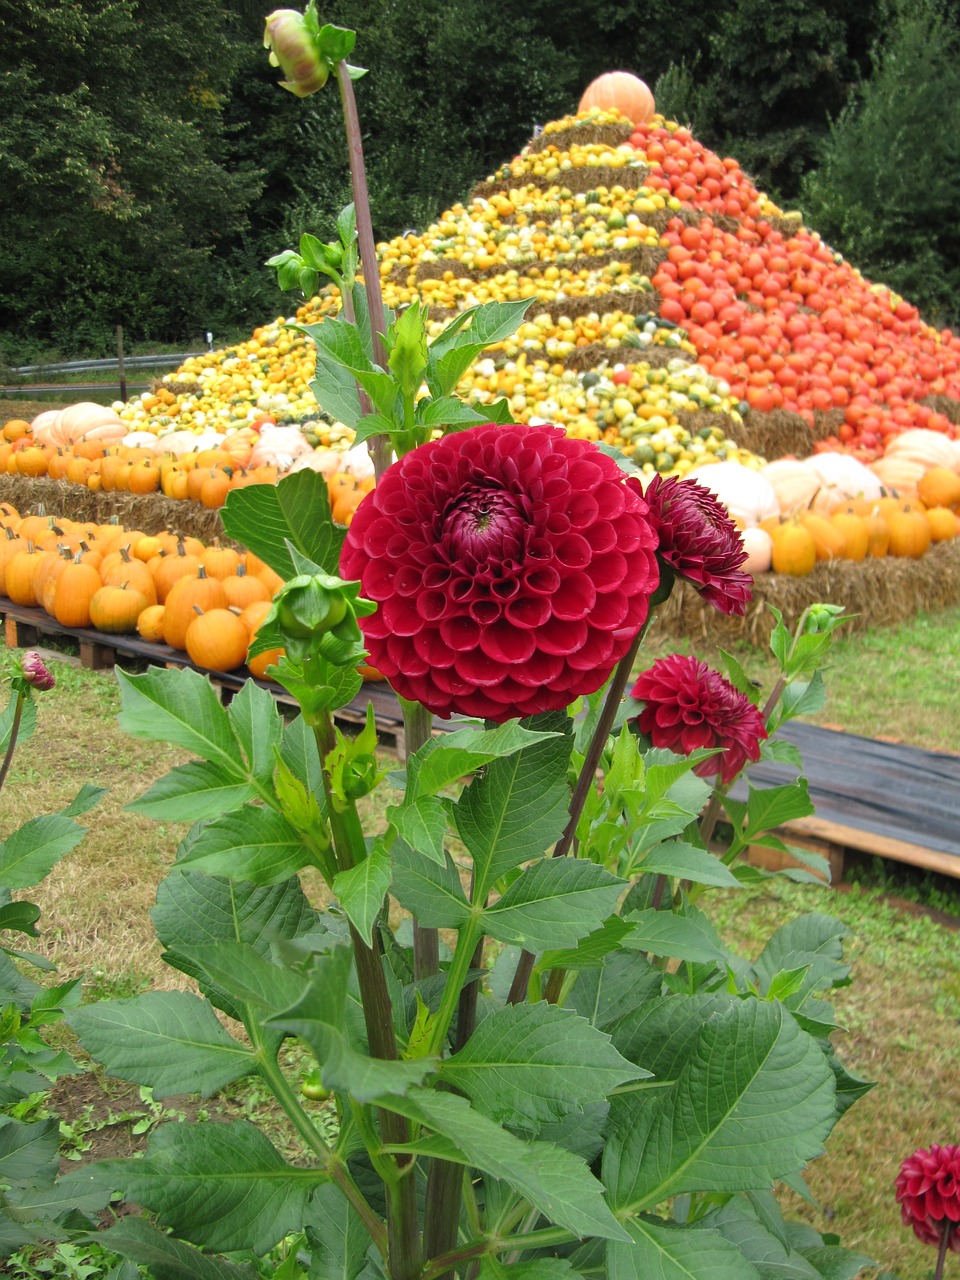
(293,48)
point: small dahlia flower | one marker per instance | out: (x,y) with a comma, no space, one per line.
(928,1192)
(699,542)
(512,567)
(690,707)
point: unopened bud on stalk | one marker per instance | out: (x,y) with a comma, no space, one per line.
(34,670)
(318,612)
(294,50)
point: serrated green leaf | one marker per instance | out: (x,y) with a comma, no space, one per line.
(802,698)
(661,1251)
(623,982)
(448,411)
(192,793)
(29,853)
(781,751)
(251,843)
(20,917)
(687,937)
(591,951)
(169,1040)
(362,889)
(337,1238)
(347,224)
(739,678)
(422,824)
(408,357)
(557,1183)
(320,1018)
(85,799)
(677,858)
(249,978)
(753,1099)
(516,810)
(335,391)
(449,757)
(429,890)
(28,1152)
(180,706)
(73,1192)
(528,1064)
(263,517)
(221,1186)
(447,371)
(166,1257)
(258,726)
(492,1268)
(771,807)
(553,903)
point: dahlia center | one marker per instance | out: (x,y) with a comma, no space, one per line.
(484,523)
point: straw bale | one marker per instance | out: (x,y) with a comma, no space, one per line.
(875,593)
(827,422)
(584,134)
(775,434)
(151,512)
(946,405)
(596,355)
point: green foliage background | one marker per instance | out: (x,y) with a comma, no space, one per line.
(149,164)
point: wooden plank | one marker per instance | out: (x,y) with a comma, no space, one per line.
(816,829)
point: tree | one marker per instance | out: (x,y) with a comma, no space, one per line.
(887,187)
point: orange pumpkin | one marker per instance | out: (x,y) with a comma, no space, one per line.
(186,596)
(150,623)
(217,640)
(116,609)
(938,487)
(77,583)
(942,522)
(794,550)
(910,534)
(622,91)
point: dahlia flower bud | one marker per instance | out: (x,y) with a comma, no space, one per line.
(294,50)
(319,613)
(34,670)
(928,1193)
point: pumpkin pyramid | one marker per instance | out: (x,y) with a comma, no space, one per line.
(676,312)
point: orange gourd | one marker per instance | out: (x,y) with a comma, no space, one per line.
(20,577)
(217,640)
(828,540)
(910,534)
(622,91)
(77,583)
(794,550)
(186,596)
(116,609)
(150,623)
(856,538)
(938,487)
(942,522)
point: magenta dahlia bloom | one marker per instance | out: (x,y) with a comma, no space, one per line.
(928,1192)
(689,707)
(699,541)
(512,567)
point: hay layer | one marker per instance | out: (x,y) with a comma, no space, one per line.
(874,593)
(769,435)
(152,512)
(946,405)
(583,135)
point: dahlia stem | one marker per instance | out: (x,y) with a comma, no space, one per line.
(11,744)
(403,1225)
(379,445)
(585,784)
(942,1251)
(417,727)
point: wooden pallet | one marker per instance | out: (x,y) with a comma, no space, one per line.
(884,799)
(25,628)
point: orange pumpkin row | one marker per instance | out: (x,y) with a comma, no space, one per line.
(205,477)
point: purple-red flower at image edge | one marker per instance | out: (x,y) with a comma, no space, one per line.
(699,541)
(690,707)
(512,567)
(928,1192)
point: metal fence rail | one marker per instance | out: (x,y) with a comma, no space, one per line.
(112,362)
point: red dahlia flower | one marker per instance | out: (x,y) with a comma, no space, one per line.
(690,707)
(699,541)
(928,1192)
(512,567)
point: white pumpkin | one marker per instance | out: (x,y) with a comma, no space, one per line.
(793,483)
(746,494)
(920,444)
(759,548)
(279,447)
(43,426)
(841,478)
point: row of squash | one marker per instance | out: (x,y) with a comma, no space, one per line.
(205,600)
